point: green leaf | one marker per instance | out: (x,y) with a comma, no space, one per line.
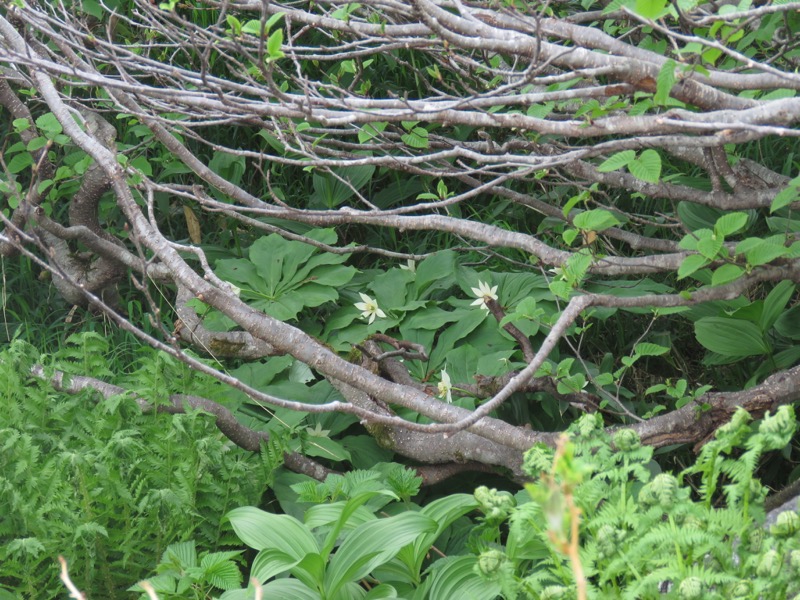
(235,25)
(726,273)
(730,223)
(21,125)
(690,264)
(664,82)
(436,272)
(691,240)
(617,161)
(220,571)
(281,588)
(456,577)
(647,167)
(788,323)
(416,138)
(730,337)
(764,252)
(381,591)
(786,196)
(274,43)
(369,131)
(775,303)
(444,511)
(649,9)
(710,247)
(253,27)
(184,552)
(49,125)
(271,562)
(648,349)
(331,190)
(36,143)
(371,545)
(326,448)
(595,220)
(260,530)
(20,162)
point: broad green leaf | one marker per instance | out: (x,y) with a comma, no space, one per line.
(20,125)
(690,264)
(788,323)
(697,216)
(347,510)
(647,167)
(36,143)
(775,303)
(649,9)
(444,511)
(436,272)
(184,552)
(371,545)
(786,196)
(730,337)
(416,138)
(726,273)
(649,349)
(456,578)
(253,27)
(664,82)
(730,223)
(459,330)
(49,125)
(764,252)
(432,317)
(617,161)
(321,515)
(391,286)
(710,247)
(283,277)
(595,220)
(260,530)
(381,592)
(331,190)
(281,588)
(271,562)
(274,43)
(369,131)
(223,574)
(691,240)
(20,162)
(326,448)
(494,364)
(235,25)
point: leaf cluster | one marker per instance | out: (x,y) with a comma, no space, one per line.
(101,482)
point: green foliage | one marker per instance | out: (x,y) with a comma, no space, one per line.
(282,277)
(343,541)
(184,574)
(102,483)
(640,528)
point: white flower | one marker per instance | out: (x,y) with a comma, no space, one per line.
(484,293)
(446,388)
(369,308)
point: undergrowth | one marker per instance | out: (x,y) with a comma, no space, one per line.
(101,482)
